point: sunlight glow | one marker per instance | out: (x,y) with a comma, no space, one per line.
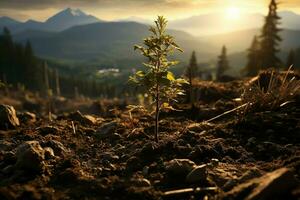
(233,13)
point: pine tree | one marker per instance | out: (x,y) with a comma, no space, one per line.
(291,58)
(29,75)
(223,64)
(253,65)
(7,66)
(191,73)
(270,39)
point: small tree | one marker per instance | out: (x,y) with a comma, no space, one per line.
(253,65)
(158,82)
(223,63)
(191,73)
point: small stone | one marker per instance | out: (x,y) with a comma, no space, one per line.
(49,153)
(27,117)
(214,162)
(133,164)
(58,148)
(142,182)
(110,156)
(30,156)
(46,130)
(8,117)
(198,174)
(83,119)
(179,167)
(106,130)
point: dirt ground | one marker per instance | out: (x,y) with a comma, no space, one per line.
(110,155)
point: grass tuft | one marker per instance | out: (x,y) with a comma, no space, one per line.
(271,90)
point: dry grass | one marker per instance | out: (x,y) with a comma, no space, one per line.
(271,90)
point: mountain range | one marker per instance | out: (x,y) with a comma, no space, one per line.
(216,23)
(103,42)
(78,38)
(59,22)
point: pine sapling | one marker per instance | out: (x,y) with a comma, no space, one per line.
(158,82)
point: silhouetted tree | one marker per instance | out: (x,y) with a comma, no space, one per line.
(6,52)
(291,58)
(270,38)
(191,73)
(223,64)
(253,65)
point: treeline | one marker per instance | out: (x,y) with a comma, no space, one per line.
(263,52)
(20,67)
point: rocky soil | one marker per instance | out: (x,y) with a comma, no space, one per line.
(110,155)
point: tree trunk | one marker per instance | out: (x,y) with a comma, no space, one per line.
(191,92)
(157,114)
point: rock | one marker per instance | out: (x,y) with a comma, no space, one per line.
(58,148)
(27,117)
(197,175)
(150,151)
(30,156)
(83,119)
(273,185)
(8,117)
(214,162)
(106,130)
(46,130)
(179,167)
(49,153)
(133,164)
(141,182)
(109,156)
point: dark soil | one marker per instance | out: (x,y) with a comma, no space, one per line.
(115,157)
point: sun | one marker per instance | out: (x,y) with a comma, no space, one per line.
(233,13)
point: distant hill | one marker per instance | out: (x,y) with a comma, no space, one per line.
(6,21)
(59,22)
(104,42)
(241,40)
(213,23)
(216,23)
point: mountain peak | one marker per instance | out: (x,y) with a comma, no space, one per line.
(74,12)
(68,12)
(69,17)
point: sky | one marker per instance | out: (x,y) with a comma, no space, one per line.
(116,9)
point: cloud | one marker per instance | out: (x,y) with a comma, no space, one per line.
(40,4)
(111,9)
